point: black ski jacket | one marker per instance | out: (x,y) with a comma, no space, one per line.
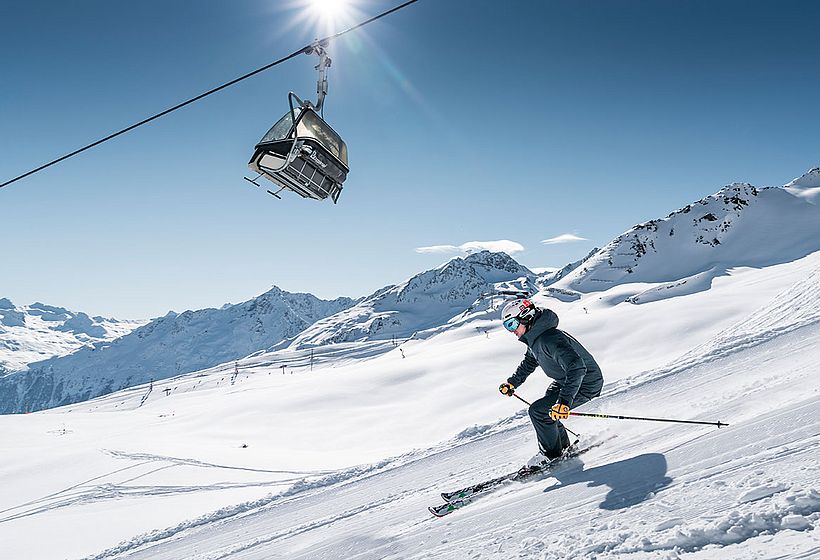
(561,357)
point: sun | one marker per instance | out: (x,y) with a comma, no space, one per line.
(330,12)
(329,8)
(318,18)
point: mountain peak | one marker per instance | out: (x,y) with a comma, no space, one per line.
(807,186)
(740,225)
(427,300)
(810,178)
(497,260)
(274,291)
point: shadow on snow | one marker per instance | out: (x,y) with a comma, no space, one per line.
(631,481)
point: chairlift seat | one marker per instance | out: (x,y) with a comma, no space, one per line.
(302,153)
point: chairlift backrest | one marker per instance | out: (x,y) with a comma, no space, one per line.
(283,128)
(311,125)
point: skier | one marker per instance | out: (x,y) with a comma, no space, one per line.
(576,376)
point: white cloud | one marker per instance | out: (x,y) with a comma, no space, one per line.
(563,238)
(504,245)
(438,249)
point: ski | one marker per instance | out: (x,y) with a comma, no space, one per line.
(460,498)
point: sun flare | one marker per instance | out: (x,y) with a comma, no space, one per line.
(329,8)
(330,12)
(316,18)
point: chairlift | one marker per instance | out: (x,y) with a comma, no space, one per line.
(301,152)
(513,293)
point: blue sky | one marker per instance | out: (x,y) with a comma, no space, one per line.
(465,121)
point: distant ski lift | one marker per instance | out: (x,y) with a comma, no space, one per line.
(514,293)
(301,152)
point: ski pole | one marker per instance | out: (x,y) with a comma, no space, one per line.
(528,404)
(619,417)
(522,400)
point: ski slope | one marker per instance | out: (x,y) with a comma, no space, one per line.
(256,461)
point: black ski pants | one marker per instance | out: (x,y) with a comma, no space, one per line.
(552,436)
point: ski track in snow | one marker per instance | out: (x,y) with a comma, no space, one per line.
(196,463)
(113,487)
(301,486)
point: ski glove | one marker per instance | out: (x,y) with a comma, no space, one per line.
(559,411)
(506,389)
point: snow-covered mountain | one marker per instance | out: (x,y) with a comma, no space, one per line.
(194,340)
(168,346)
(807,186)
(427,300)
(31,333)
(740,225)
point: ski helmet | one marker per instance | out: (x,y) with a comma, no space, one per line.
(516,312)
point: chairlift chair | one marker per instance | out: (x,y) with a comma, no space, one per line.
(301,152)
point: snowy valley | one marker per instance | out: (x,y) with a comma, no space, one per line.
(295,428)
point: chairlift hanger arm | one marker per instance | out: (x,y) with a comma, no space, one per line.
(319,48)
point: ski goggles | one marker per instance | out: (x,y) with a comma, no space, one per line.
(512,323)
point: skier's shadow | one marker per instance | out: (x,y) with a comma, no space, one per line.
(631,481)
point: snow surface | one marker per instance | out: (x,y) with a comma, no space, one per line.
(332,451)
